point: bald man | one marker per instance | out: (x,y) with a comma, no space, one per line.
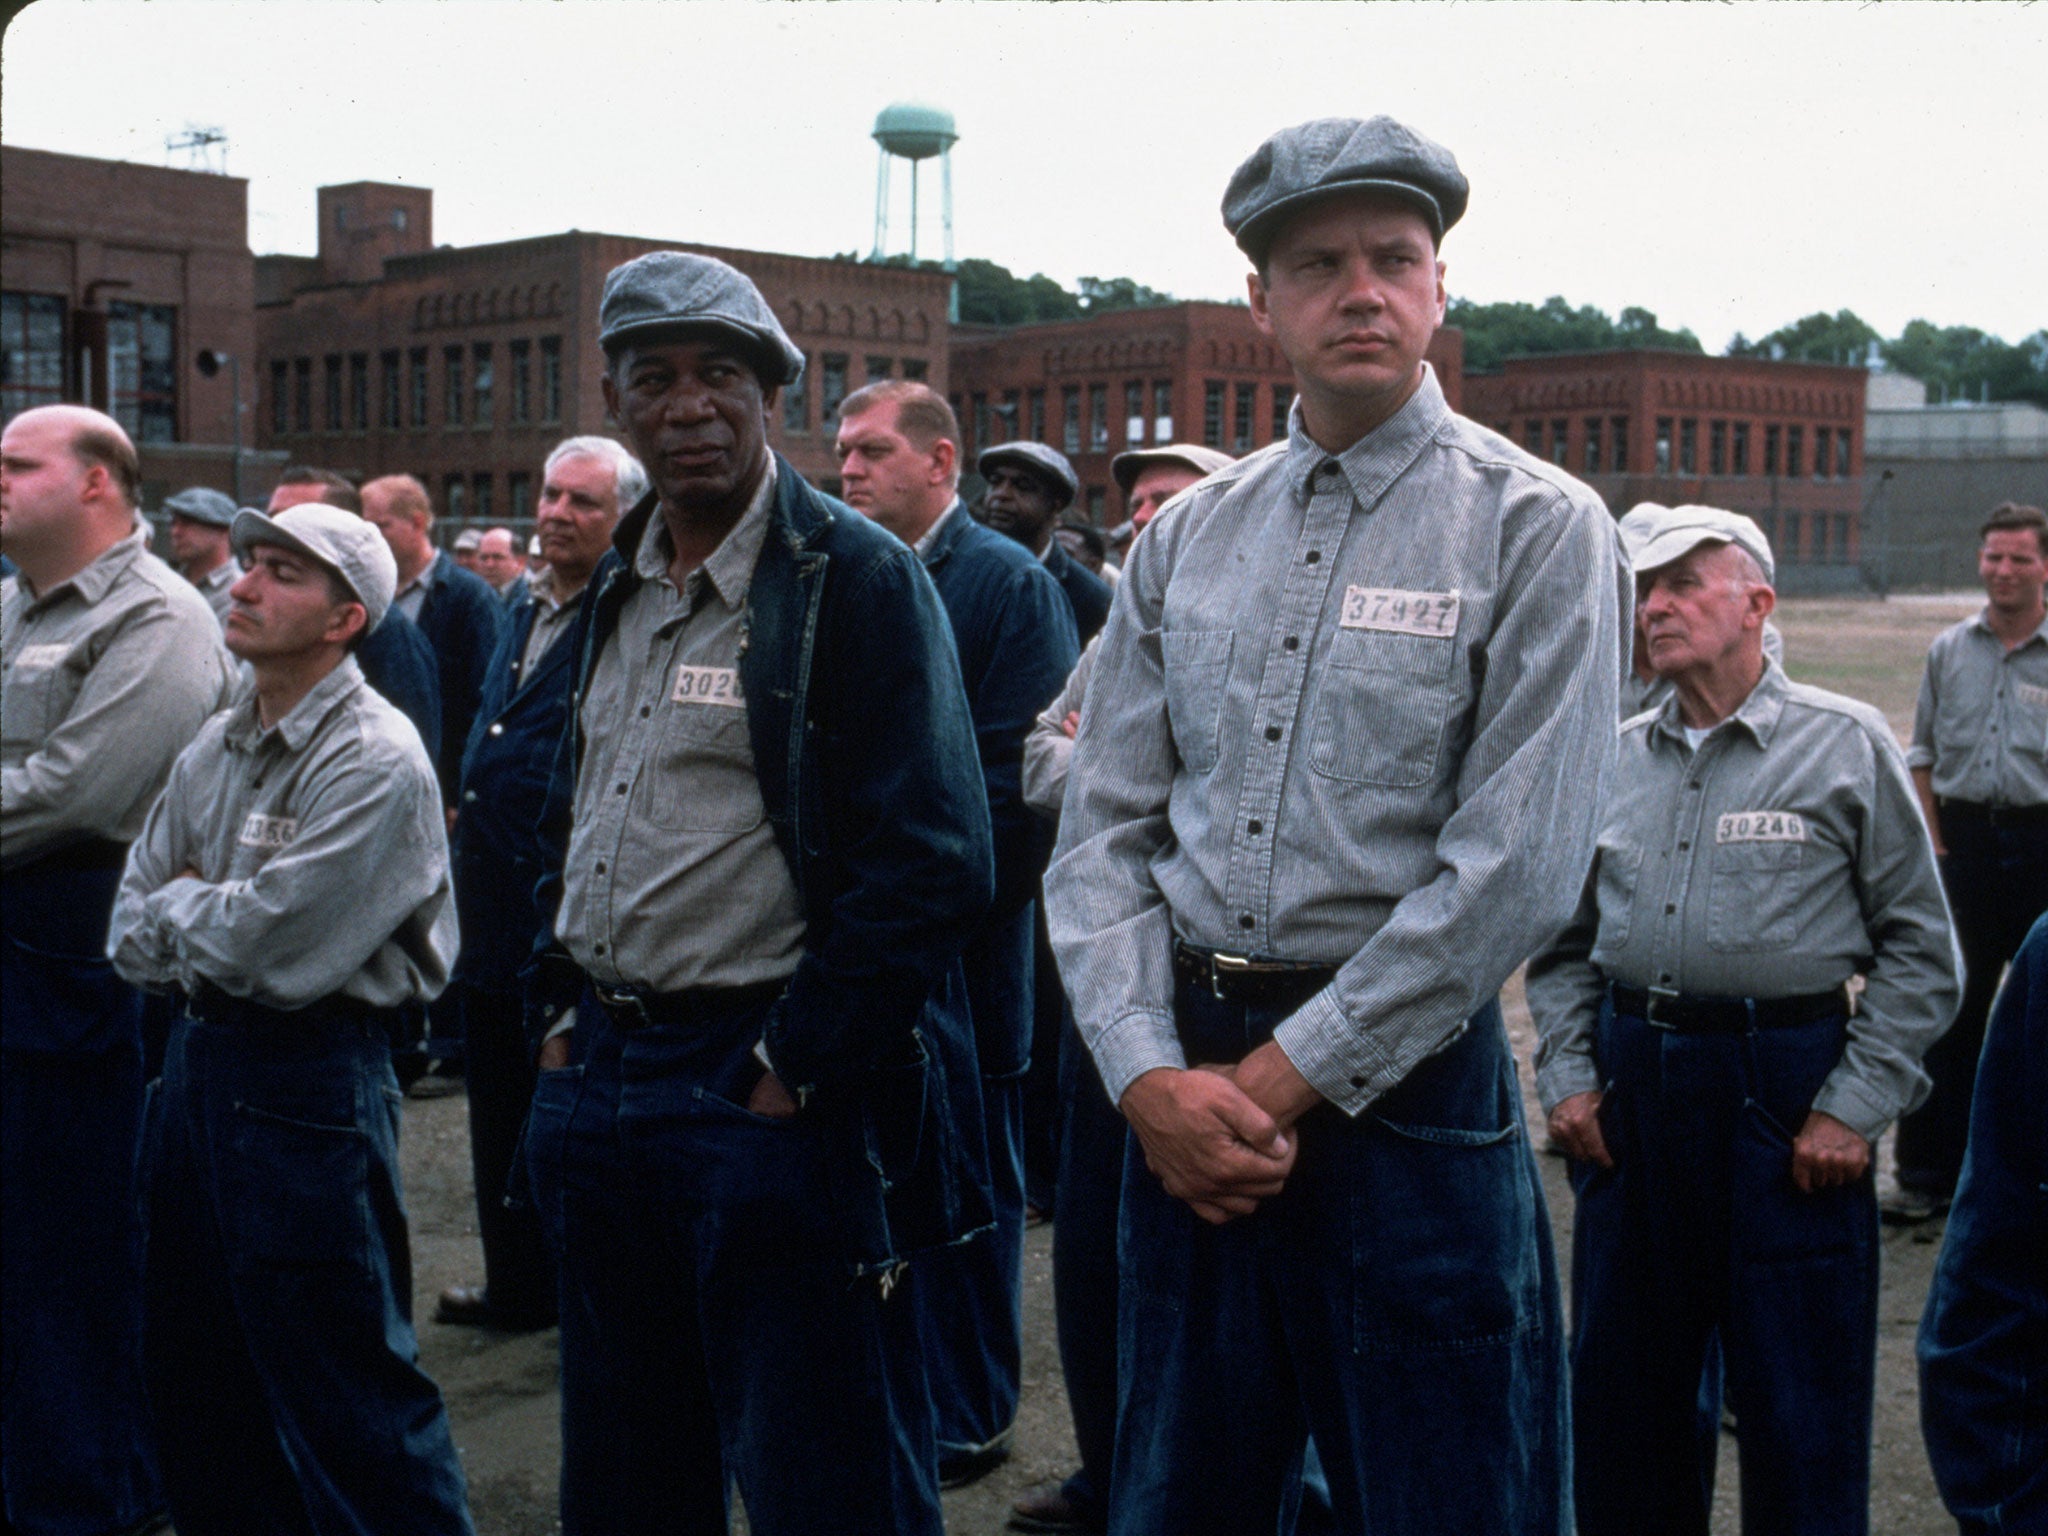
(501,563)
(109,664)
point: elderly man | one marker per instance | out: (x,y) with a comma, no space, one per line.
(292,885)
(457,612)
(500,564)
(199,544)
(1336,777)
(779,847)
(898,451)
(111,664)
(463,550)
(586,485)
(1980,765)
(1700,1061)
(1029,485)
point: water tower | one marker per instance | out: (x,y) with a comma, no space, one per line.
(911,131)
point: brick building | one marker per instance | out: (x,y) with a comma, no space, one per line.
(1782,442)
(463,366)
(1193,372)
(113,279)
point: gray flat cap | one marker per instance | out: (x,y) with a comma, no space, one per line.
(467,540)
(202,506)
(1048,463)
(1126,467)
(1298,165)
(347,545)
(674,290)
(1654,536)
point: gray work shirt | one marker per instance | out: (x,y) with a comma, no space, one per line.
(103,681)
(1783,857)
(322,859)
(413,597)
(551,621)
(1982,721)
(674,879)
(1356,710)
(1049,750)
(215,585)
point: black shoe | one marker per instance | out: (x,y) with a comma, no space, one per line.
(469,1306)
(1905,1207)
(959,1468)
(1048,1507)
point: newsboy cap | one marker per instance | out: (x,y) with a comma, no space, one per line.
(1298,165)
(200,505)
(1049,464)
(1654,536)
(1127,466)
(676,290)
(342,542)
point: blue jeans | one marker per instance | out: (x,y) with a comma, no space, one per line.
(281,1357)
(76,1456)
(713,1332)
(1697,1229)
(1398,1300)
(498,1072)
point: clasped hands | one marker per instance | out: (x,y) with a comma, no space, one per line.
(1221,1138)
(1826,1153)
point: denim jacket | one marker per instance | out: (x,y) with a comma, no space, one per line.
(866,757)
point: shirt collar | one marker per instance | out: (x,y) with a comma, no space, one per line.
(928,540)
(98,578)
(731,566)
(1758,714)
(225,574)
(1379,458)
(1978,620)
(245,727)
(425,580)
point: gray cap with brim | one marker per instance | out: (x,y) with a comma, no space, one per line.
(1310,161)
(678,291)
(1047,462)
(342,542)
(200,505)
(1654,536)
(1127,466)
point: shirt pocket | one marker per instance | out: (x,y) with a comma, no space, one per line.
(1753,896)
(702,777)
(41,688)
(1620,869)
(1197,666)
(1381,708)
(2030,718)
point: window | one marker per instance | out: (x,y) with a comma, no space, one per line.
(1532,437)
(1134,412)
(32,352)
(1620,425)
(796,402)
(1821,452)
(359,391)
(880,367)
(1034,402)
(417,389)
(451,395)
(391,398)
(1688,447)
(481,385)
(142,359)
(1842,459)
(519,493)
(1592,458)
(1006,415)
(1098,417)
(333,397)
(1162,410)
(980,408)
(302,394)
(1283,409)
(280,397)
(522,381)
(1070,418)
(1212,413)
(1247,408)
(916,368)
(831,390)
(1663,445)
(481,510)
(1097,499)
(1560,430)
(1717,448)
(455,498)
(551,378)
(1823,545)
(1738,449)
(1795,450)
(1771,436)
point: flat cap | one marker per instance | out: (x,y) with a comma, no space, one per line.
(201,505)
(1654,536)
(1298,165)
(342,542)
(466,540)
(1046,462)
(676,290)
(1126,467)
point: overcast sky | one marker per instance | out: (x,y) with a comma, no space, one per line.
(1731,167)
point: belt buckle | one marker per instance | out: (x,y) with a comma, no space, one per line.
(1222,965)
(1652,996)
(624,1002)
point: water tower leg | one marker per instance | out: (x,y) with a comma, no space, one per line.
(946,199)
(913,212)
(881,207)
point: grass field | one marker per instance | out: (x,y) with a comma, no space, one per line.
(1870,650)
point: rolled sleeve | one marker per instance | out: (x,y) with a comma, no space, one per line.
(1048,749)
(1920,754)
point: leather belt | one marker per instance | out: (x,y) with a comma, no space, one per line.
(1250,979)
(209,1004)
(1727,1015)
(630,1009)
(1996,815)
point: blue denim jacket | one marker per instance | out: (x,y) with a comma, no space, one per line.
(866,758)
(1984,1338)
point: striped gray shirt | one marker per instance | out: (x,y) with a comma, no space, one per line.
(1356,710)
(1982,721)
(1782,858)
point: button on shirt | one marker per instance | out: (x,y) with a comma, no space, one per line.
(1784,856)
(674,879)
(322,857)
(103,681)
(1353,710)
(1982,721)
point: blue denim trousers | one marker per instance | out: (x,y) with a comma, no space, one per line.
(713,1332)
(278,1331)
(1398,1300)
(76,1456)
(1698,1230)
(498,1073)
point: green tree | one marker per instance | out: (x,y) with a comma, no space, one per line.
(1842,337)
(1496,332)
(1100,295)
(1960,362)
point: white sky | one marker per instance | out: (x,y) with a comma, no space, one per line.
(1731,167)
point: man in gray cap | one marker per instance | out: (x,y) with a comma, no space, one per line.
(1337,776)
(1644,687)
(773,842)
(199,544)
(1700,1061)
(1029,485)
(463,550)
(291,886)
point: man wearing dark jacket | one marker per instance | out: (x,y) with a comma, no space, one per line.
(1029,485)
(777,845)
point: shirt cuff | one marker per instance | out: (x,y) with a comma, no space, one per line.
(561,1026)
(1852,1103)
(1135,1044)
(1919,757)
(1333,1055)
(1567,1074)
